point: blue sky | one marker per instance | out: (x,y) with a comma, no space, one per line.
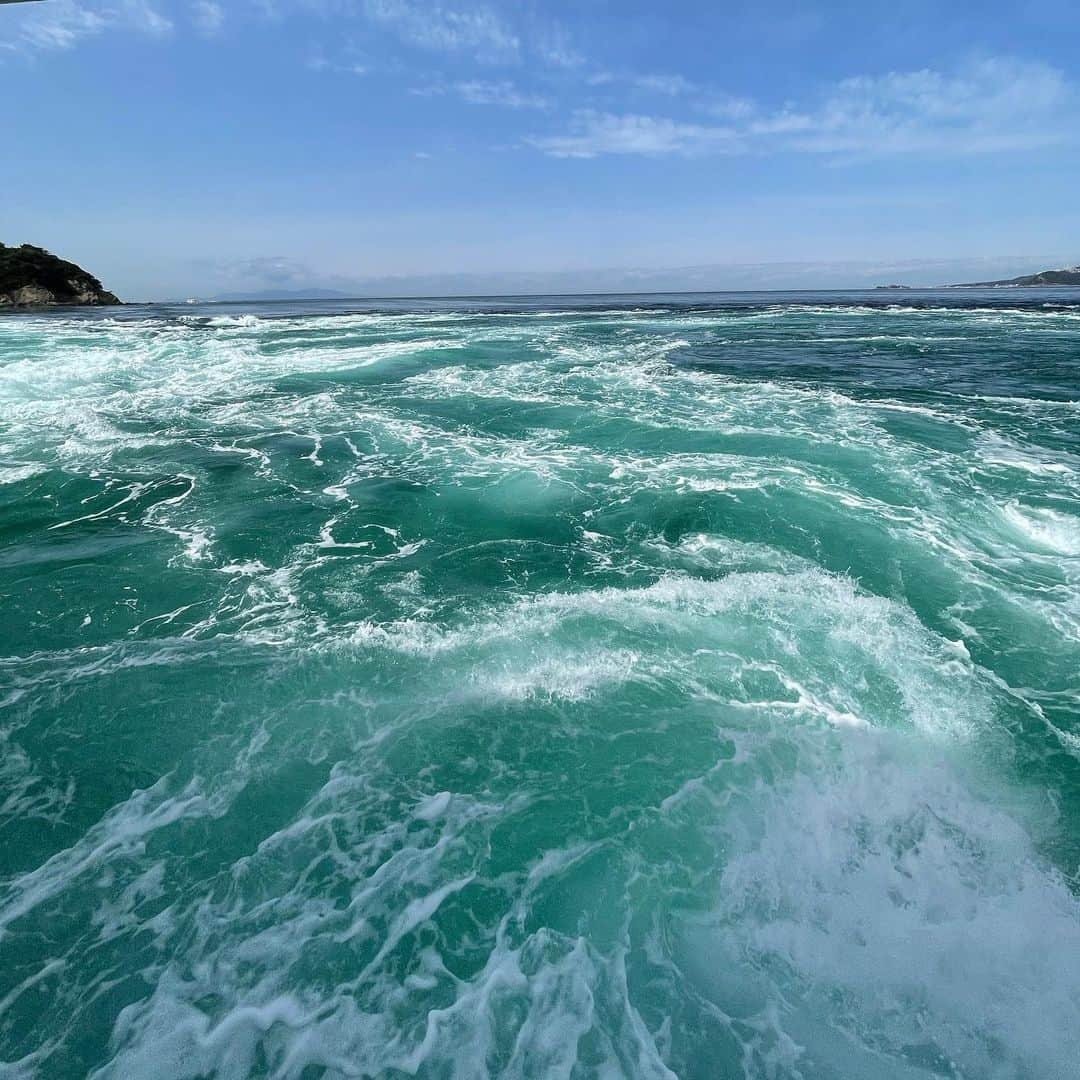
(178,147)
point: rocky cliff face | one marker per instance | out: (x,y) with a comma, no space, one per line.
(33,277)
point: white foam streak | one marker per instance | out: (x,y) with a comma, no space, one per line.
(888,885)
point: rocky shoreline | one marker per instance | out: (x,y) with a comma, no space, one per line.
(32,277)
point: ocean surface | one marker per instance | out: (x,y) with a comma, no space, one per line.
(542,687)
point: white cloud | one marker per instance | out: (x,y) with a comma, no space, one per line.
(208,16)
(594,133)
(63,24)
(478,31)
(732,108)
(319,61)
(480,92)
(500,93)
(671,85)
(552,46)
(992,105)
(279,271)
(482,31)
(140,15)
(667,85)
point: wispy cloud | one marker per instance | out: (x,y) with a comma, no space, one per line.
(318,61)
(140,15)
(63,24)
(479,31)
(465,31)
(500,93)
(594,133)
(992,105)
(672,85)
(278,271)
(61,27)
(553,46)
(667,85)
(208,16)
(481,92)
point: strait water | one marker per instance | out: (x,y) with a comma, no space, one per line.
(608,687)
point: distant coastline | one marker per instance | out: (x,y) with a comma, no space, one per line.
(1066,277)
(32,277)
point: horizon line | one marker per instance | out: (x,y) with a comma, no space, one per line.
(299,297)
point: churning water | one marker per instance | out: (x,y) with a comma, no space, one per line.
(636,687)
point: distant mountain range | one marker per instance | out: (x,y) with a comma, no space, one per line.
(1045,279)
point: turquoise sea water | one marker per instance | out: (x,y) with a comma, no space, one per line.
(617,687)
